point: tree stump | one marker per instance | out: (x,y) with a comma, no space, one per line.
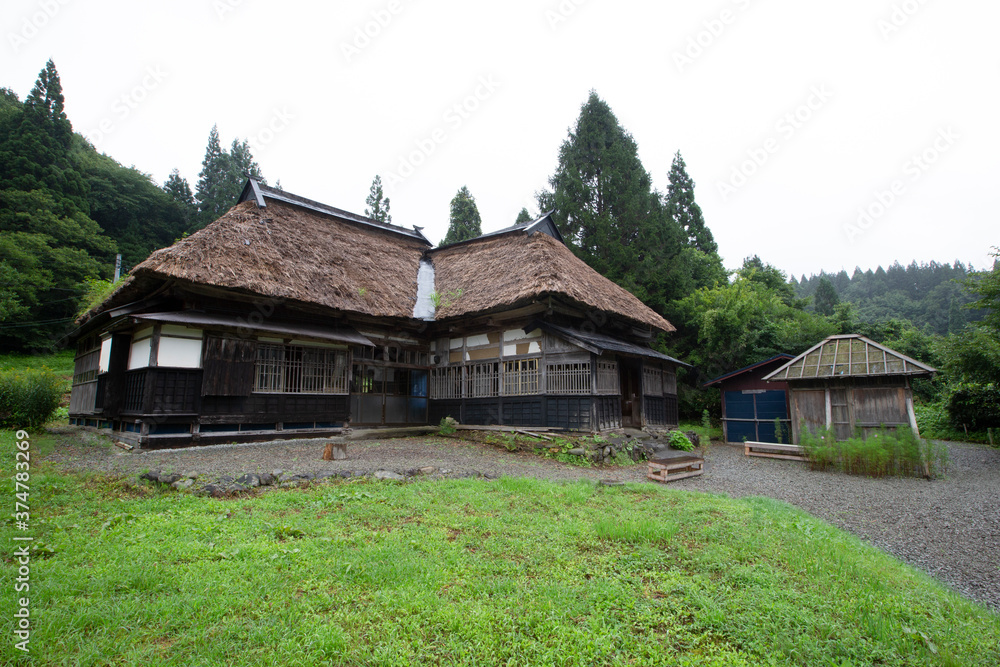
(335,451)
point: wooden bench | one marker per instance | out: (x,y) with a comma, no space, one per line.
(773,450)
(667,470)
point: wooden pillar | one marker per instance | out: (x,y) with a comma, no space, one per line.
(829,409)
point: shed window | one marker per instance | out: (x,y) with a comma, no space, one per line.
(294,369)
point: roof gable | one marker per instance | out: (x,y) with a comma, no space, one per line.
(492,273)
(850,355)
(776,359)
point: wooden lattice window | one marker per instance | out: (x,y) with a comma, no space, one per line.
(608,381)
(483,380)
(446,382)
(569,378)
(520,377)
(652,381)
(295,369)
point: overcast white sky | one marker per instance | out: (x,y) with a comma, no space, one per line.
(792,116)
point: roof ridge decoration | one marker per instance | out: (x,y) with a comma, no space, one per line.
(253,190)
(543,223)
(848,355)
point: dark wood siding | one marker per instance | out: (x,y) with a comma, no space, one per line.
(229,366)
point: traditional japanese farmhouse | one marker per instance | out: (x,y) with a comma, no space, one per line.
(287,317)
(850,383)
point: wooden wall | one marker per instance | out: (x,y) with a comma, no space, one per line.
(847,408)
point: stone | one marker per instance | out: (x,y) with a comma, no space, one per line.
(151,475)
(388,475)
(277,472)
(235,488)
(289,484)
(213,490)
(427,470)
(183,484)
(190,474)
(225,479)
(168,479)
(266,479)
(577,451)
(285,477)
(248,480)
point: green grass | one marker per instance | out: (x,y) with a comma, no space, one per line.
(706,434)
(469,572)
(59,362)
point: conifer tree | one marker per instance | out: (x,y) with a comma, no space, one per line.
(523,216)
(378,205)
(211,180)
(180,192)
(825,299)
(465,222)
(223,174)
(611,217)
(684,211)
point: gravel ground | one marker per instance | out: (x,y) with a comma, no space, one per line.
(950,527)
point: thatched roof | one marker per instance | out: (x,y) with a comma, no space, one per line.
(275,244)
(850,355)
(505,271)
(287,252)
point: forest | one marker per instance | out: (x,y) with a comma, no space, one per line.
(67,210)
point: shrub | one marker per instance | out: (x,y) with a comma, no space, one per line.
(976,405)
(885,453)
(28,397)
(447,426)
(680,441)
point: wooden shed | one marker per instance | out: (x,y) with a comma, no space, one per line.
(750,405)
(848,383)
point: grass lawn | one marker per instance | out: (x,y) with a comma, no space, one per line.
(471,572)
(59,362)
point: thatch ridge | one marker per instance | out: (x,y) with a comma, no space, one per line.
(513,269)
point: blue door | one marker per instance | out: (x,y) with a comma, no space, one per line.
(750,415)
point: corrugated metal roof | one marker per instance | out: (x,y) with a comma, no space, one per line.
(850,355)
(600,343)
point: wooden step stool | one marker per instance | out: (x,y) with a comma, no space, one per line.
(679,467)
